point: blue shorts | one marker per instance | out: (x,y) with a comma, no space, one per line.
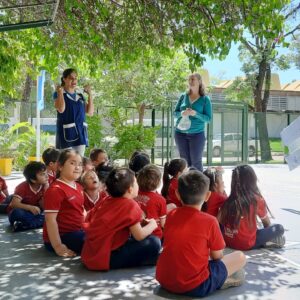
(217,277)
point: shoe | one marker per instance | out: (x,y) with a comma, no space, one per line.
(236,279)
(278,242)
(18,226)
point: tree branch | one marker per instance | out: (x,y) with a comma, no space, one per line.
(292,11)
(248,46)
(292,31)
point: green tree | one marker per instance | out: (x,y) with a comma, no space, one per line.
(258,51)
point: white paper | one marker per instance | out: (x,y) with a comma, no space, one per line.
(290,137)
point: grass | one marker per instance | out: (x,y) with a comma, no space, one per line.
(276,145)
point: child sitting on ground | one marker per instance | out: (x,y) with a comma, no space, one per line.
(92,188)
(138,160)
(87,164)
(239,211)
(64,212)
(153,204)
(98,156)
(174,168)
(102,172)
(108,243)
(216,187)
(191,238)
(26,207)
(4,197)
(50,157)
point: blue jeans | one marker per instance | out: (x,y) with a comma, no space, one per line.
(136,253)
(26,219)
(73,240)
(267,234)
(190,147)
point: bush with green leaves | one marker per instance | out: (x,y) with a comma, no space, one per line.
(132,138)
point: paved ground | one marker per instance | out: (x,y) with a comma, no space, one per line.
(27,271)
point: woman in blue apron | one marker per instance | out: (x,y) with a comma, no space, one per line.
(71,127)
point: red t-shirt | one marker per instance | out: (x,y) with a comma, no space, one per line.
(244,237)
(28,195)
(91,212)
(108,231)
(214,203)
(51,176)
(67,202)
(172,198)
(3,186)
(154,206)
(89,203)
(189,236)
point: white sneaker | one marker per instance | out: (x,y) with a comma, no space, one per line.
(278,242)
(236,279)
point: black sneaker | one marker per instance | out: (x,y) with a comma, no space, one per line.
(18,226)
(278,242)
(236,279)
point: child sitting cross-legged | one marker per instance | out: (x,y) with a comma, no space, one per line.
(172,170)
(50,157)
(64,211)
(192,261)
(92,188)
(239,212)
(216,187)
(114,237)
(151,202)
(26,207)
(4,196)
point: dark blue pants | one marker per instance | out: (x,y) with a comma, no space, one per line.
(267,234)
(73,240)
(190,147)
(136,253)
(5,203)
(26,219)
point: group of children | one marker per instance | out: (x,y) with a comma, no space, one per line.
(116,217)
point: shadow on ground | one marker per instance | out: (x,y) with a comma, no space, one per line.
(28,271)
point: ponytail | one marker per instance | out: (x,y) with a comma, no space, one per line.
(166,180)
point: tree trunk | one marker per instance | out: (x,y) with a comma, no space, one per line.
(25,105)
(141,110)
(264,76)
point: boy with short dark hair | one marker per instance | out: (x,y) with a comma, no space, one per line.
(193,245)
(114,237)
(25,209)
(98,156)
(50,158)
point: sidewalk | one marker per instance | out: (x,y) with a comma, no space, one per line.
(27,271)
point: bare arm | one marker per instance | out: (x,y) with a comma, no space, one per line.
(4,192)
(162,221)
(216,254)
(54,237)
(139,232)
(16,203)
(266,221)
(59,103)
(89,109)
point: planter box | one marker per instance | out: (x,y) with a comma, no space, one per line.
(5,166)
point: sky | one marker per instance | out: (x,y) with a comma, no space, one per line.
(231,67)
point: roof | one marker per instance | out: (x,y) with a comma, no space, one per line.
(293,86)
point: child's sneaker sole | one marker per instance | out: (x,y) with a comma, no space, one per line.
(236,279)
(278,242)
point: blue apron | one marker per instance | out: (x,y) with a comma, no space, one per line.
(71,127)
